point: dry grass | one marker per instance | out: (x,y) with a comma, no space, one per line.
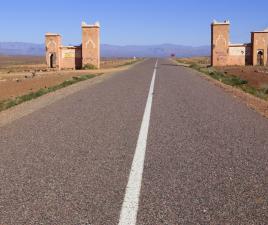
(204,60)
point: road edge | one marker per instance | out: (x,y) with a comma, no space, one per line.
(26,108)
(249,100)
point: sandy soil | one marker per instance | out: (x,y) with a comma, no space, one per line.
(256,76)
(19,77)
(11,64)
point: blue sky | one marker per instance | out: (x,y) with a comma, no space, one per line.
(124,22)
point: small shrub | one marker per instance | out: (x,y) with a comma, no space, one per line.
(89,67)
(195,66)
(215,75)
(264,88)
(234,81)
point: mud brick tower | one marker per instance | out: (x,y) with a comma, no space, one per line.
(91,44)
(53,43)
(220,43)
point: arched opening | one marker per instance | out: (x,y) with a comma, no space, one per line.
(52,60)
(260,60)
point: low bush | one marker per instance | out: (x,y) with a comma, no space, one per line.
(89,67)
(195,66)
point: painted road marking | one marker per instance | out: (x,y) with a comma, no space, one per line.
(130,206)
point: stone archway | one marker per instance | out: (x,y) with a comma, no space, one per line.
(260,58)
(52,60)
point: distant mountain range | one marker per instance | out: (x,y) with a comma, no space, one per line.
(164,50)
(20,48)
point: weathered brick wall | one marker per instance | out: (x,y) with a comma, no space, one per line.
(91,45)
(219,43)
(236,61)
(237,55)
(71,57)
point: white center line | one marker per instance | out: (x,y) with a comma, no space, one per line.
(130,206)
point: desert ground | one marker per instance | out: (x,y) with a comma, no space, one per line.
(20,75)
(256,76)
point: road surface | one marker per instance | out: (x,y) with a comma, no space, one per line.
(153,145)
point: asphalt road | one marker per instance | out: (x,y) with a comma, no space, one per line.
(71,163)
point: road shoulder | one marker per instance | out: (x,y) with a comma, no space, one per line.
(26,108)
(257,104)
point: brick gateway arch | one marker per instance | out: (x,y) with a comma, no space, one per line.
(223,53)
(74,57)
